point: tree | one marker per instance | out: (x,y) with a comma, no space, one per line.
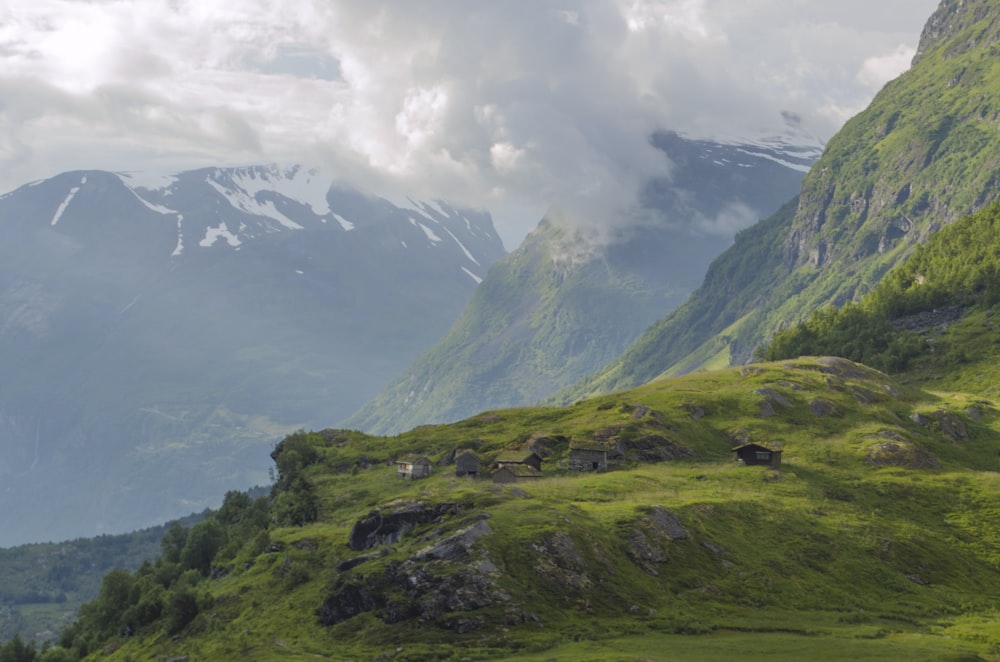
(205,539)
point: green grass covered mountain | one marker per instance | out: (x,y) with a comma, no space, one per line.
(566,302)
(874,538)
(923,154)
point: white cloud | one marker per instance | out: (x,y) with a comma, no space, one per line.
(875,71)
(516,105)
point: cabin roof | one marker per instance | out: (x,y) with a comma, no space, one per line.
(516,457)
(412,458)
(595,446)
(521,471)
(773,447)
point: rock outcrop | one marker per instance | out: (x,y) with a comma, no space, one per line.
(386,528)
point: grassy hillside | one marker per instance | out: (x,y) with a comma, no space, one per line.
(874,538)
(546,315)
(923,154)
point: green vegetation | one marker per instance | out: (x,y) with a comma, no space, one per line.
(957,271)
(547,315)
(924,154)
(43,584)
(876,537)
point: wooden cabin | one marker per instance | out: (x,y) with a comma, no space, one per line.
(466,464)
(413,466)
(524,458)
(516,473)
(757,455)
(588,457)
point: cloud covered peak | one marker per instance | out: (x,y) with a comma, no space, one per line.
(516,106)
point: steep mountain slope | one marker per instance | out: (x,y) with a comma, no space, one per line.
(563,304)
(924,153)
(157,337)
(932,316)
(874,538)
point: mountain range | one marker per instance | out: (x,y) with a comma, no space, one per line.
(159,334)
(566,302)
(803,506)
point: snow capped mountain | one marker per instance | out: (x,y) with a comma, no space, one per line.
(228,207)
(792,148)
(165,331)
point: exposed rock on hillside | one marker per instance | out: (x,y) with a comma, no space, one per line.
(901,453)
(770,399)
(386,528)
(821,408)
(950,19)
(560,563)
(945,421)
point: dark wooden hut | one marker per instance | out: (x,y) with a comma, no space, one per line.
(467,464)
(516,473)
(524,458)
(758,455)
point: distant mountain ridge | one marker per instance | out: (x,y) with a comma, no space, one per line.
(564,303)
(923,154)
(164,332)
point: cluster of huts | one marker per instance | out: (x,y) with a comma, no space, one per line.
(509,466)
(515,466)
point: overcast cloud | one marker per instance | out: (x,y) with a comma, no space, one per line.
(514,106)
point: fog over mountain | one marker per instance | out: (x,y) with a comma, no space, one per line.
(513,106)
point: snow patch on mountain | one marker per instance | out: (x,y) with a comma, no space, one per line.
(434,239)
(150,181)
(180,237)
(214,234)
(435,205)
(246,201)
(65,203)
(304,185)
(159,209)
(472,276)
(801,167)
(461,245)
(344,223)
(794,149)
(409,204)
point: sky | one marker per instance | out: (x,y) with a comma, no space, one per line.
(517,106)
